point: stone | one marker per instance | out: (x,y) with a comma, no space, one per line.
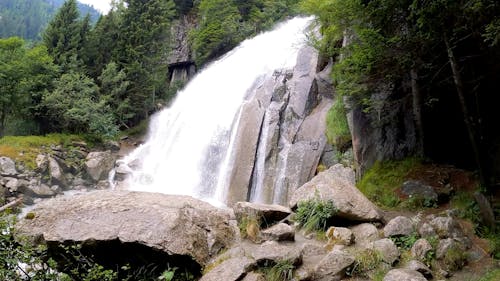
(419,267)
(420,249)
(375,138)
(177,225)
(337,184)
(487,214)
(253,276)
(112,145)
(275,252)
(7,167)
(310,249)
(445,245)
(38,191)
(99,164)
(365,233)
(403,274)
(446,227)
(42,163)
(56,173)
(387,249)
(247,137)
(333,266)
(399,225)
(267,214)
(278,232)
(414,188)
(426,230)
(232,269)
(339,235)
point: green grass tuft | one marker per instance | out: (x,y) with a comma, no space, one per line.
(314,214)
(281,271)
(492,275)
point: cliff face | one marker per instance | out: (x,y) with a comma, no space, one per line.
(180,60)
(281,133)
(386,131)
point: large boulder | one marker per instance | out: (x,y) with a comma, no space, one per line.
(399,225)
(56,173)
(264,213)
(333,266)
(404,274)
(337,184)
(98,164)
(7,167)
(177,225)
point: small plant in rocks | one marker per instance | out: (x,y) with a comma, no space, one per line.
(314,214)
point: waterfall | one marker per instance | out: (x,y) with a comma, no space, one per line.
(186,151)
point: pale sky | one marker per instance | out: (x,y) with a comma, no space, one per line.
(101,5)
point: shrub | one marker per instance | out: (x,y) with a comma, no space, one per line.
(314,214)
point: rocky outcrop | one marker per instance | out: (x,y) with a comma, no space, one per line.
(386,131)
(337,184)
(180,61)
(264,213)
(98,164)
(177,225)
(283,124)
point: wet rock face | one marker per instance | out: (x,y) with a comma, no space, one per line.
(282,124)
(177,225)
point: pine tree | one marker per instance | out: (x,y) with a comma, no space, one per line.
(63,37)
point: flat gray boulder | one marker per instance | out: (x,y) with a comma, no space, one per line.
(266,214)
(399,225)
(337,184)
(177,225)
(7,167)
(404,275)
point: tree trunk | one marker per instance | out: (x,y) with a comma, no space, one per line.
(457,78)
(2,120)
(417,112)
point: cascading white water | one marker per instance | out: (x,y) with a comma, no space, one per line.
(188,143)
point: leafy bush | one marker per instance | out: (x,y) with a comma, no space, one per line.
(314,214)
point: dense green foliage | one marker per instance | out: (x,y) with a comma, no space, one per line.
(223,24)
(98,79)
(27,19)
(424,50)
